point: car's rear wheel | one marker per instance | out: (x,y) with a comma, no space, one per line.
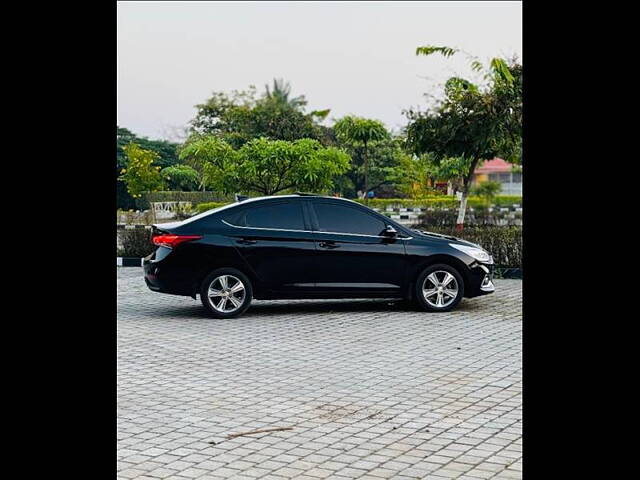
(439,288)
(226,293)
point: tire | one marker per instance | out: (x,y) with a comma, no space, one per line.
(226,301)
(435,297)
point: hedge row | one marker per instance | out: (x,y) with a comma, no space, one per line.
(203,207)
(441,201)
(479,216)
(143,203)
(135,242)
(445,201)
(503,243)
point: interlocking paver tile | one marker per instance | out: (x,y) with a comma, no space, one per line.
(372,388)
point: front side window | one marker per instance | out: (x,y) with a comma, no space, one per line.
(283,216)
(343,219)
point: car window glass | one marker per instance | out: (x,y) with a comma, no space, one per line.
(211,218)
(208,216)
(343,219)
(285,216)
(234,217)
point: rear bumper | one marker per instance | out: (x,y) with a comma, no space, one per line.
(161,277)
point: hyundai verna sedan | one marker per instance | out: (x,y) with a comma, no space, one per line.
(307,246)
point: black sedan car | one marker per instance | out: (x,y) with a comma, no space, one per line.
(307,246)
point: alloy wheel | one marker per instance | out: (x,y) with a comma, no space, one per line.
(440,289)
(226,293)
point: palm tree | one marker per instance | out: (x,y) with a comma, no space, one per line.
(280,93)
(363,131)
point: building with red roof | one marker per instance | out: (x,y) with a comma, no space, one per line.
(497,170)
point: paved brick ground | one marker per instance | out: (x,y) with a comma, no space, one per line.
(372,389)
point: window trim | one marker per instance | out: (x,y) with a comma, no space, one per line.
(313,231)
(265,228)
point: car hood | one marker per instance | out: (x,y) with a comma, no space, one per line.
(449,238)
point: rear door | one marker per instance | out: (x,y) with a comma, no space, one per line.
(277,243)
(353,255)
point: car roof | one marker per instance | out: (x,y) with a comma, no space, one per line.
(294,195)
(246,201)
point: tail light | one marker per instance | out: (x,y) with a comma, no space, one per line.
(172,241)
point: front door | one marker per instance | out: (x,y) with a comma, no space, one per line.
(352,254)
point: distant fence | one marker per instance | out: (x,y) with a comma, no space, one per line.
(511,215)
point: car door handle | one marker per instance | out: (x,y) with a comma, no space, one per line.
(246,241)
(329,245)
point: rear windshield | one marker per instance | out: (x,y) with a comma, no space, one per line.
(210,212)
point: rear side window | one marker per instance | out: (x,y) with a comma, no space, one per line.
(234,217)
(343,219)
(284,216)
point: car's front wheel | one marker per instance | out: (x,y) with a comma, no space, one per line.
(226,293)
(439,288)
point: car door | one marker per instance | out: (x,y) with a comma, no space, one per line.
(352,254)
(276,243)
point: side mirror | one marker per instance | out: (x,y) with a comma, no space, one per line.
(389,231)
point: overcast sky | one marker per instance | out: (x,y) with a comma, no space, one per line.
(352,57)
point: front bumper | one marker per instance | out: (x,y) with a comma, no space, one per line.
(481,279)
(487,285)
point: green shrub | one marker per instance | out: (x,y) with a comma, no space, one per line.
(507,200)
(203,207)
(503,243)
(440,201)
(439,218)
(479,216)
(135,242)
(143,203)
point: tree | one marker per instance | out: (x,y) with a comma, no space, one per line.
(214,159)
(181,177)
(167,156)
(414,175)
(473,123)
(241,117)
(383,159)
(167,153)
(211,117)
(487,190)
(141,175)
(266,166)
(361,132)
(452,170)
(280,94)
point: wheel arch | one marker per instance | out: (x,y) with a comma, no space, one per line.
(236,264)
(449,260)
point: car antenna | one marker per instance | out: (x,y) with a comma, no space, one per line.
(241,198)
